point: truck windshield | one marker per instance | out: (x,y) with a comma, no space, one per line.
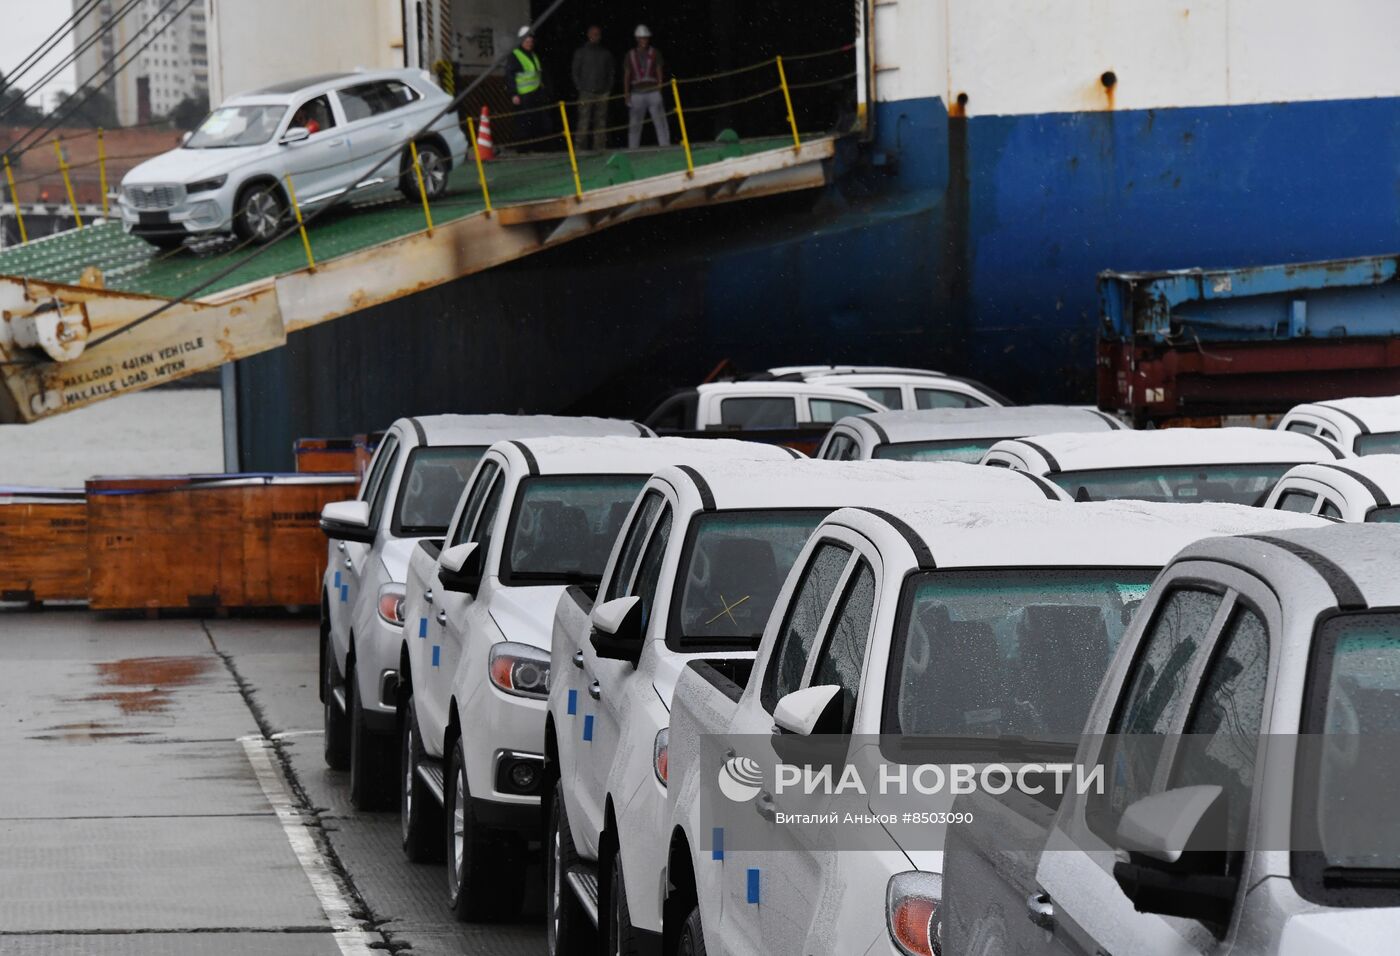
(1006,652)
(1353,719)
(968,450)
(563,526)
(236,126)
(1233,484)
(432,482)
(732,568)
(1380,443)
(1387,515)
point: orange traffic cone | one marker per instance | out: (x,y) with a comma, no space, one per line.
(484,146)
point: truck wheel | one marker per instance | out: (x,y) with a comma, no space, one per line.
(485,872)
(692,941)
(371,776)
(419,815)
(622,937)
(568,930)
(337,726)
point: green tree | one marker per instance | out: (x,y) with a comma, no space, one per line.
(188,112)
(85,107)
(14,111)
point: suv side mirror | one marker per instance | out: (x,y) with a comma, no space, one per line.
(812,710)
(617,630)
(294,135)
(1172,856)
(459,568)
(185,138)
(347,521)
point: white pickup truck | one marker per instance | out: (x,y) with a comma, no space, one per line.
(539,515)
(693,576)
(759,406)
(965,619)
(1250,714)
(408,493)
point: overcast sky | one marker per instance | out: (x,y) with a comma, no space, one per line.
(27,24)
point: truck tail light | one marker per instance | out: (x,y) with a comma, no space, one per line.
(913,913)
(660,755)
(520,669)
(391,600)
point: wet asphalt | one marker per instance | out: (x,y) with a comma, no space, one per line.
(132,819)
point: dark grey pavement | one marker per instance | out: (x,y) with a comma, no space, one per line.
(132,820)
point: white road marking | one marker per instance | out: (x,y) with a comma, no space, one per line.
(352,940)
(297,733)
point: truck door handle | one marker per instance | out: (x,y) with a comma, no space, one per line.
(578,659)
(765,806)
(442,618)
(348,563)
(1041,910)
(595,691)
(428,595)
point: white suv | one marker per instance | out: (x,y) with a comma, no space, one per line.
(693,577)
(331,134)
(539,515)
(408,494)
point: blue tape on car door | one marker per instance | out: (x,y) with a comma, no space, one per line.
(573,703)
(717,843)
(437,655)
(588,727)
(422,627)
(753,886)
(344,593)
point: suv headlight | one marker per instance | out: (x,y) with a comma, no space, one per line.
(661,755)
(391,601)
(207,185)
(520,669)
(914,913)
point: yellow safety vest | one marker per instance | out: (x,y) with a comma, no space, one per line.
(529,78)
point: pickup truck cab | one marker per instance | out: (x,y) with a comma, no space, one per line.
(539,515)
(408,494)
(923,390)
(693,576)
(1252,711)
(952,434)
(1233,465)
(952,619)
(1361,426)
(1360,489)
(758,406)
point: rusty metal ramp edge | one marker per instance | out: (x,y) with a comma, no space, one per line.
(45,326)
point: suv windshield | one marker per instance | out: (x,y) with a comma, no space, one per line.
(968,450)
(236,126)
(1233,484)
(733,566)
(1353,719)
(562,527)
(1006,652)
(1386,515)
(432,482)
(1381,443)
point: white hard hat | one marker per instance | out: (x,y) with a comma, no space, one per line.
(641,31)
(525,31)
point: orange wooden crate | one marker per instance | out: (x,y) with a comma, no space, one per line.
(326,456)
(218,541)
(43,545)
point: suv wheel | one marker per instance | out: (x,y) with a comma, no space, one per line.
(371,774)
(258,212)
(337,726)
(692,941)
(420,817)
(435,165)
(485,872)
(568,930)
(622,938)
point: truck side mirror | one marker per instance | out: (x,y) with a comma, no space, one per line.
(459,568)
(347,521)
(617,630)
(1172,856)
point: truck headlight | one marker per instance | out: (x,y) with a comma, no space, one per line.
(520,669)
(391,600)
(206,185)
(913,913)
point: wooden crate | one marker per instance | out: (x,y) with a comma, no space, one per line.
(216,541)
(43,545)
(326,456)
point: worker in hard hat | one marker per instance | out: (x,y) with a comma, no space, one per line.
(526,76)
(642,76)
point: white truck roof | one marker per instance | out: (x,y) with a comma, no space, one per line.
(1377,414)
(991,421)
(1040,534)
(556,455)
(852,370)
(784,388)
(1169,446)
(489,429)
(732,485)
